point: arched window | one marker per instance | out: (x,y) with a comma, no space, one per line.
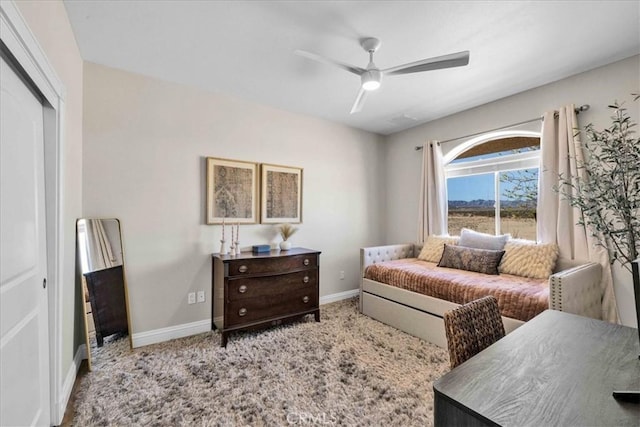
(492,184)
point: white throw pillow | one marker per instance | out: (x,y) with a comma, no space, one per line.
(529,259)
(433,247)
(473,239)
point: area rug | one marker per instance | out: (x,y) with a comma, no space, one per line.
(347,369)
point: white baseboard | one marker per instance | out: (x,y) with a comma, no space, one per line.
(172,332)
(339,296)
(69,381)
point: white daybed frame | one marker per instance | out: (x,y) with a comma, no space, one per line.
(574,288)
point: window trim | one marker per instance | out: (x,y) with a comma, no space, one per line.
(526,160)
(461,148)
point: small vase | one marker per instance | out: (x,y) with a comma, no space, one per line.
(285,245)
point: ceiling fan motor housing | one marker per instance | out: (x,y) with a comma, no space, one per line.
(371,79)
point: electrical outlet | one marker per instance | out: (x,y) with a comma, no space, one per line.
(191,298)
(200,296)
(342,275)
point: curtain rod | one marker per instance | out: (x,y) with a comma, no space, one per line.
(578,110)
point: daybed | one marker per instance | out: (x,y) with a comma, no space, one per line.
(573,287)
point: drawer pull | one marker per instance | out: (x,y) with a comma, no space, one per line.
(306,262)
(305,299)
(243,269)
(242,289)
(242,312)
(305,279)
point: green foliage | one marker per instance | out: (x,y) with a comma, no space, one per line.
(524,185)
(607,188)
(523,182)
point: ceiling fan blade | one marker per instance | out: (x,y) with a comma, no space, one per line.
(357,106)
(457,59)
(351,68)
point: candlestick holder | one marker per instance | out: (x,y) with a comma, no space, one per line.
(237,248)
(223,247)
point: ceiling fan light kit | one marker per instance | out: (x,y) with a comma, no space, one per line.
(371,77)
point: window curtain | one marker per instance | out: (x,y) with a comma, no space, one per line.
(432,216)
(100,253)
(561,152)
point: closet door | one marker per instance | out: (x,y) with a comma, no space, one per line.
(24,334)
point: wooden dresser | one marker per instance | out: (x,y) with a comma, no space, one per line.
(108,302)
(254,290)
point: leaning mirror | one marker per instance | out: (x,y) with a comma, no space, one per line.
(104,291)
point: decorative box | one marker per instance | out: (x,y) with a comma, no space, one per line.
(261,248)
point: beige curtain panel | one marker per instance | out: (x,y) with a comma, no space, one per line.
(99,247)
(433,209)
(561,152)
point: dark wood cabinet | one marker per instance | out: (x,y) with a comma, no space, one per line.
(108,305)
(259,290)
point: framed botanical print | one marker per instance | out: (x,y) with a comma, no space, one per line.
(281,194)
(232,191)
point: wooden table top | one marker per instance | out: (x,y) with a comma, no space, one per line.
(557,369)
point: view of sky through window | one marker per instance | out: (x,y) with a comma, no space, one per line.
(474,187)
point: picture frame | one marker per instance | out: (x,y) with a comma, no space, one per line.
(232,191)
(281,194)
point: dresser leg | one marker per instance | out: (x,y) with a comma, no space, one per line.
(223,339)
(317,315)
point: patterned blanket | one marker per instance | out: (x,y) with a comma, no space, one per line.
(518,297)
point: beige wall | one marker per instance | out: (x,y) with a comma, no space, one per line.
(145,142)
(598,88)
(143,155)
(49,23)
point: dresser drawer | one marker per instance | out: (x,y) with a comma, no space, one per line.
(252,287)
(273,306)
(248,267)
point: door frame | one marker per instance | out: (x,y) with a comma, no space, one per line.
(25,49)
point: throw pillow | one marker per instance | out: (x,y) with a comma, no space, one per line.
(433,247)
(529,259)
(474,239)
(479,260)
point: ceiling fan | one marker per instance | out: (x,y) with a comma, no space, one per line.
(371,77)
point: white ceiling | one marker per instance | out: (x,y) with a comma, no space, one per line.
(245,49)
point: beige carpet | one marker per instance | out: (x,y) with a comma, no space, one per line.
(346,370)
